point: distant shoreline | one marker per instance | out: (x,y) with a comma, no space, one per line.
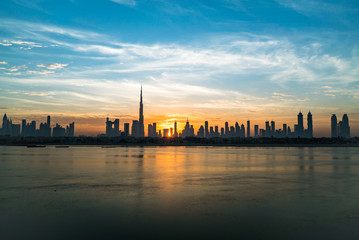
(207,142)
(201,145)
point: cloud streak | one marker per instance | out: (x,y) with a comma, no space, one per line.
(54,66)
(130,3)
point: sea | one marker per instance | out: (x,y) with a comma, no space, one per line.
(110,192)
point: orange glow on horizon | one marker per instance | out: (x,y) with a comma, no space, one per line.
(94,124)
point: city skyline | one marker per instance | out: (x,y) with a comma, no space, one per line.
(337,129)
(219,60)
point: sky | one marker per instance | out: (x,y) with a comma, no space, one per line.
(218,60)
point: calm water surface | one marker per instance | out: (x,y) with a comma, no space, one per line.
(179,192)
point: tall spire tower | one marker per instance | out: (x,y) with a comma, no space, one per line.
(141,126)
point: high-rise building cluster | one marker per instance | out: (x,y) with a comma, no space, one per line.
(30,130)
(240,130)
(137,128)
(341,129)
(270,130)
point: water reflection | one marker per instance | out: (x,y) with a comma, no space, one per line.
(198,189)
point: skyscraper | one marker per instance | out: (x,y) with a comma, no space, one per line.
(238,130)
(126,129)
(5,126)
(310,125)
(272,128)
(285,129)
(149,130)
(248,128)
(211,132)
(334,123)
(23,127)
(256,130)
(141,127)
(134,130)
(243,131)
(112,128)
(70,129)
(200,132)
(154,129)
(176,133)
(59,131)
(344,127)
(300,125)
(206,131)
(226,129)
(188,130)
(267,132)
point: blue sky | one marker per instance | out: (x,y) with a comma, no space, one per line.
(220,60)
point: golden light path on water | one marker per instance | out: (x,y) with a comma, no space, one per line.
(216,192)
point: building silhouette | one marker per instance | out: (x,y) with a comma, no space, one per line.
(134,128)
(272,129)
(226,129)
(152,130)
(59,131)
(243,131)
(309,131)
(126,129)
(344,127)
(341,129)
(300,127)
(206,131)
(285,130)
(141,126)
(188,131)
(216,132)
(267,129)
(8,128)
(30,130)
(256,133)
(45,128)
(175,133)
(238,129)
(112,128)
(334,123)
(70,130)
(201,132)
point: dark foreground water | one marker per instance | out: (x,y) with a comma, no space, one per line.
(179,192)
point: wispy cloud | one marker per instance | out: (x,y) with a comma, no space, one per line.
(302,99)
(312,7)
(3,62)
(41,94)
(24,44)
(53,66)
(5,44)
(43,72)
(125,2)
(281,94)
